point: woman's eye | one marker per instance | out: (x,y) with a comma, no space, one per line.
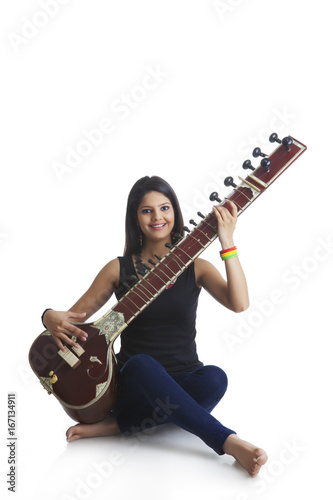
(166,207)
(146,211)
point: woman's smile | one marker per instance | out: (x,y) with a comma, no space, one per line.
(158,227)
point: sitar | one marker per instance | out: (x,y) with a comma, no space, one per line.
(85,379)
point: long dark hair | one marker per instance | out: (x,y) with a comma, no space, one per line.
(139,190)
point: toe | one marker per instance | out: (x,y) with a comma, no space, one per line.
(71,432)
(262,459)
(72,437)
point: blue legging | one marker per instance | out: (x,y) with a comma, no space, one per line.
(149,396)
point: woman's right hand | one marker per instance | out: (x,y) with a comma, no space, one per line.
(59,325)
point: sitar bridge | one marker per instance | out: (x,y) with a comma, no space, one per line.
(70,357)
(77,350)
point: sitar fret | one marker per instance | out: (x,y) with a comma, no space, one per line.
(128,303)
(139,290)
(165,274)
(179,266)
(152,282)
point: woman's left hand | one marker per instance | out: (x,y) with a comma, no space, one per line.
(226,222)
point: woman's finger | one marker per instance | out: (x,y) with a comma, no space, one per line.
(69,341)
(233,208)
(66,335)
(59,343)
(73,329)
(77,332)
(224,213)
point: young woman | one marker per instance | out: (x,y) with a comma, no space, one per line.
(162,379)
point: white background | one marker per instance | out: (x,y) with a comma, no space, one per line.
(232,74)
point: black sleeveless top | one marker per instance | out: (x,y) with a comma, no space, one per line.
(164,330)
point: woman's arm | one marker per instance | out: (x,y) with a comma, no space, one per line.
(58,322)
(232,293)
(100,291)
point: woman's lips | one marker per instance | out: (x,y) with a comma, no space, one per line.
(157,227)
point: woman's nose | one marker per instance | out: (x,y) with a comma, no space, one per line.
(156,216)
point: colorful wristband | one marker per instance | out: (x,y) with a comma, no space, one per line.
(228,250)
(226,257)
(228,253)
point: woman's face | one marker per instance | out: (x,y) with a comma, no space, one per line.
(156,216)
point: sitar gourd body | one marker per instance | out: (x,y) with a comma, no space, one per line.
(85,380)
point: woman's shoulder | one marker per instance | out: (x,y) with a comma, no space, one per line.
(115,265)
(112,264)
(111,270)
(118,268)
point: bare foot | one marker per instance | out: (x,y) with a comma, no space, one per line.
(106,427)
(247,455)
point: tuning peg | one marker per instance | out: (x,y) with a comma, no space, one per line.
(287,142)
(157,257)
(186,229)
(193,222)
(274,138)
(168,245)
(228,181)
(248,164)
(142,268)
(215,197)
(266,163)
(201,215)
(125,284)
(178,236)
(152,262)
(257,152)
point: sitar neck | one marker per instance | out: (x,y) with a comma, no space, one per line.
(182,254)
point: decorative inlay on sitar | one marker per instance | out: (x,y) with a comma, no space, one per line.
(85,379)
